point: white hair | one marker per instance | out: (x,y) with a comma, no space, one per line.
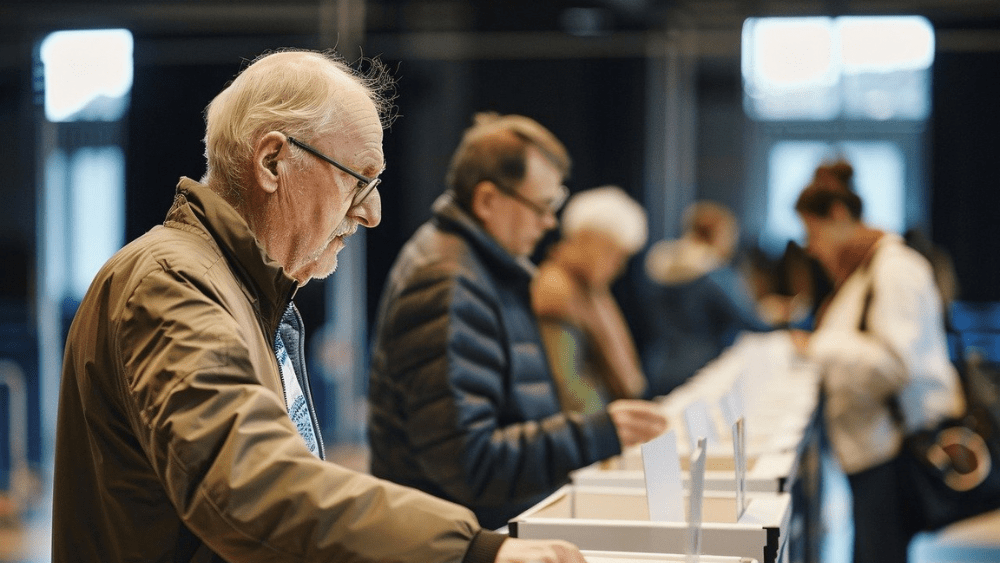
(609,210)
(293,91)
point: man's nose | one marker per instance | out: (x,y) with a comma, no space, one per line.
(369,212)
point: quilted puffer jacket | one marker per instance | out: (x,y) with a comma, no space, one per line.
(461,400)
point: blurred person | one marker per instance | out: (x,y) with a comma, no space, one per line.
(589,344)
(942,265)
(462,403)
(879,341)
(699,301)
(186,430)
(805,279)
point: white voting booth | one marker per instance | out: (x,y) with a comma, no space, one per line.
(758,379)
(716,485)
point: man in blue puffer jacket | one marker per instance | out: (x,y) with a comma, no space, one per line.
(461,400)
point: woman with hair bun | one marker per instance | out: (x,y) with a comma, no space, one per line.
(878,341)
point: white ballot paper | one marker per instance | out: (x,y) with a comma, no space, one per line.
(662,471)
(740,459)
(696,496)
(731,403)
(699,424)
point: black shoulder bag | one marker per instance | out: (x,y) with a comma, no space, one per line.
(953,470)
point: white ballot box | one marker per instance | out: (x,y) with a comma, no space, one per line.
(627,557)
(617,519)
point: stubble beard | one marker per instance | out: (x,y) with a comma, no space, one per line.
(346,228)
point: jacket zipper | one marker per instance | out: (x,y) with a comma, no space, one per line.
(304,383)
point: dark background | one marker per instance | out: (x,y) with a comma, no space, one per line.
(587,82)
(595,100)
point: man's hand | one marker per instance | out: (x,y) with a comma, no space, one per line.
(516,550)
(637,421)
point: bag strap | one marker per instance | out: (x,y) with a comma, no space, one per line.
(892,402)
(866,307)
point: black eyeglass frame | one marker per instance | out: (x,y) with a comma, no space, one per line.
(363,191)
(538,208)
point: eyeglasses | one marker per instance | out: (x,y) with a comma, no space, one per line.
(366,185)
(540,209)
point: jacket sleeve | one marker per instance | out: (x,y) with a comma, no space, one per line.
(903,352)
(611,337)
(731,301)
(453,365)
(907,315)
(230,460)
(858,368)
(906,309)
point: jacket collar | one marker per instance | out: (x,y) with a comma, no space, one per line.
(269,287)
(856,256)
(450,217)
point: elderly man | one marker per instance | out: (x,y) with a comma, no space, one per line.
(462,402)
(186,430)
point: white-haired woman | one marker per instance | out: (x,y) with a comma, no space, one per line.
(589,344)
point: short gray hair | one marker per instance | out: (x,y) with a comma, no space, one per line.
(292,91)
(495,149)
(609,210)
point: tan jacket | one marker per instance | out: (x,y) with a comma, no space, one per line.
(173,441)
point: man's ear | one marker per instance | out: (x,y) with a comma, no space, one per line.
(270,151)
(485,197)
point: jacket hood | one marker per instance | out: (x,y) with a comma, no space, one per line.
(270,288)
(450,217)
(674,262)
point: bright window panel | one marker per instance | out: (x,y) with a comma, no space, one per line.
(879,179)
(790,166)
(871,68)
(55,241)
(881,44)
(97,227)
(886,64)
(88,74)
(789,69)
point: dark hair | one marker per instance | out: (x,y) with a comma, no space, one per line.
(494,148)
(832,183)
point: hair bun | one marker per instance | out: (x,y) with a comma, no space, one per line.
(836,175)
